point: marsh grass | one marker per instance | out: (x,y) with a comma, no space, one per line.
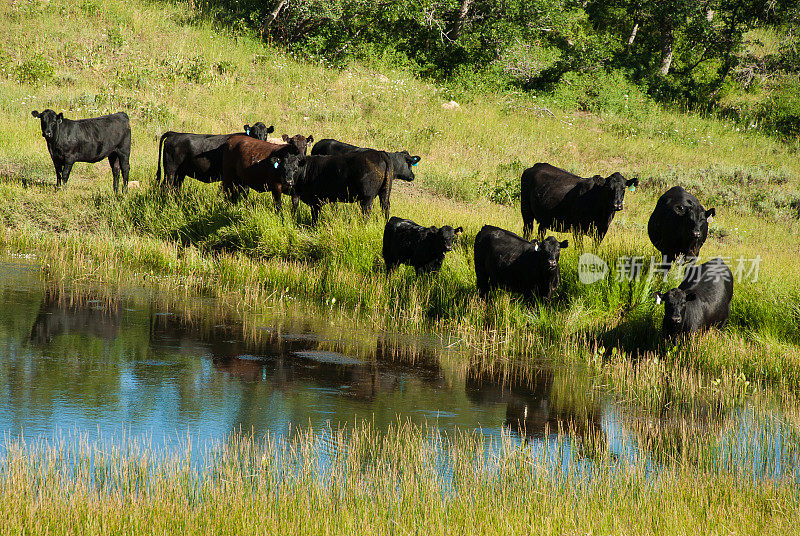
(396,481)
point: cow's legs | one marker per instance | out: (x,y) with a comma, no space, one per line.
(542,231)
(366,208)
(295,204)
(481,280)
(125,166)
(59,173)
(113,160)
(384,199)
(230,192)
(276,196)
(315,210)
(65,173)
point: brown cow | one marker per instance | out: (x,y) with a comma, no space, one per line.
(250,163)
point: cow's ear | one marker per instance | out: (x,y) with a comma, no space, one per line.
(659,298)
(710,213)
(34,113)
(632,183)
(285,138)
(247,129)
(535,245)
(60,117)
(458,230)
(564,244)
(275,162)
(270,129)
(415,160)
(310,139)
(691,296)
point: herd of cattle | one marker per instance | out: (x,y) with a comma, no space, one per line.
(340,172)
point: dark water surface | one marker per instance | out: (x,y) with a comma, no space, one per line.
(131,366)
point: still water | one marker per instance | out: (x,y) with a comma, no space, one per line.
(136,365)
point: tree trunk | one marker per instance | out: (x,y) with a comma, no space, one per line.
(462,18)
(633,36)
(272,16)
(667,47)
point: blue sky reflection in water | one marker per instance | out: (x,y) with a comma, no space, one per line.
(134,366)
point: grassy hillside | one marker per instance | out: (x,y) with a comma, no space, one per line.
(170,70)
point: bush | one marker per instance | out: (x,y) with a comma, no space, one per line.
(34,71)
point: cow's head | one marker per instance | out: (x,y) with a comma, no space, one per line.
(259,131)
(293,166)
(691,221)
(674,301)
(549,251)
(403,162)
(286,169)
(613,188)
(299,142)
(446,236)
(50,122)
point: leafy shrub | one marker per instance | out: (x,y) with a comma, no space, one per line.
(197,71)
(34,71)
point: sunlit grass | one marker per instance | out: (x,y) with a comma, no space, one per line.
(361,481)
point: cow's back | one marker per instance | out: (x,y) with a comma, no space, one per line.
(502,253)
(329,146)
(548,187)
(344,177)
(93,139)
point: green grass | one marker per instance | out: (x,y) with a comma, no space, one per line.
(381,483)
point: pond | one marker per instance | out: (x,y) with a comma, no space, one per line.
(134,364)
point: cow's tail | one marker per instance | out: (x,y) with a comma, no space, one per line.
(160,146)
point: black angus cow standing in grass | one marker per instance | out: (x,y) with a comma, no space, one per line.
(87,140)
(701,301)
(424,248)
(564,202)
(401,161)
(505,260)
(679,224)
(358,176)
(197,155)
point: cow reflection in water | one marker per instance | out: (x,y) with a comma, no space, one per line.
(530,406)
(63,315)
(288,360)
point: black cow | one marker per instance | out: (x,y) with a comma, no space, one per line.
(561,201)
(679,224)
(198,155)
(402,161)
(702,300)
(424,248)
(87,140)
(503,259)
(358,176)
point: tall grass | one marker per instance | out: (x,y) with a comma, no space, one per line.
(360,481)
